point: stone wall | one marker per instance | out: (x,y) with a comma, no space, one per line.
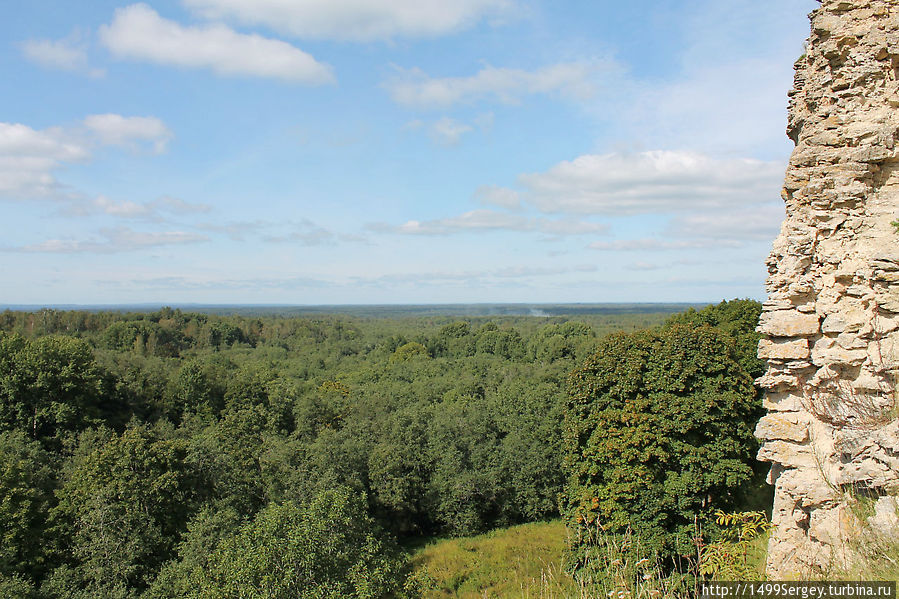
(831,321)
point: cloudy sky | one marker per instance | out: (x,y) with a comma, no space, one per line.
(392,151)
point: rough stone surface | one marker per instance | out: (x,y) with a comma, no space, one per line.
(831,320)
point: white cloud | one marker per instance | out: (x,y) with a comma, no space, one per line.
(651,182)
(67,54)
(644,266)
(448,132)
(498,196)
(195,281)
(118,130)
(758,223)
(355,20)
(414,88)
(305,232)
(138,32)
(29,157)
(119,239)
(654,245)
(155,210)
(738,106)
(236,230)
(490,220)
(724,92)
(473,276)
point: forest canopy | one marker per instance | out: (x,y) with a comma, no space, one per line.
(169,453)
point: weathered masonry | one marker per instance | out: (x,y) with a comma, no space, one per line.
(831,321)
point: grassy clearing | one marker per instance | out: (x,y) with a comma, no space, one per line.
(520,562)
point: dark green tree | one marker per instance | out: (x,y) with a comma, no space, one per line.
(658,434)
(123,501)
(327,549)
(739,319)
(26,495)
(48,386)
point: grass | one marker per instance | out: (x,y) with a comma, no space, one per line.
(526,562)
(519,562)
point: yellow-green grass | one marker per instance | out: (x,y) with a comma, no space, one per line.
(520,562)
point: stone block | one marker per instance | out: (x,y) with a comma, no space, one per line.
(788,323)
(785,426)
(797,349)
(791,455)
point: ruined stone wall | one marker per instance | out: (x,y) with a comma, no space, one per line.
(831,321)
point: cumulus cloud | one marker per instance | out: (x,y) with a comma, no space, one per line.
(355,20)
(490,220)
(114,240)
(138,32)
(416,89)
(29,158)
(651,182)
(67,54)
(118,130)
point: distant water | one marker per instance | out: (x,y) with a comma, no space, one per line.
(383,310)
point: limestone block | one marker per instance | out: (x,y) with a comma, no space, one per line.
(827,353)
(851,341)
(847,320)
(788,426)
(788,323)
(783,401)
(775,382)
(789,454)
(783,350)
(809,485)
(888,300)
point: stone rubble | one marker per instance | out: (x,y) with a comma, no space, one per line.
(831,320)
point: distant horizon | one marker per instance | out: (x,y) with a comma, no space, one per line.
(477,309)
(367,152)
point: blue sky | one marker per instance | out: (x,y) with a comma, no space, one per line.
(405,151)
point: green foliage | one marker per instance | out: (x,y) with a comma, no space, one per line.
(122,500)
(137,447)
(142,336)
(738,319)
(48,386)
(328,549)
(658,432)
(729,557)
(895,224)
(560,341)
(16,587)
(26,494)
(408,351)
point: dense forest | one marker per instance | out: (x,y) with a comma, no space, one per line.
(175,454)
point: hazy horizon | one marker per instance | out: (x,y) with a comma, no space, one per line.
(307,153)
